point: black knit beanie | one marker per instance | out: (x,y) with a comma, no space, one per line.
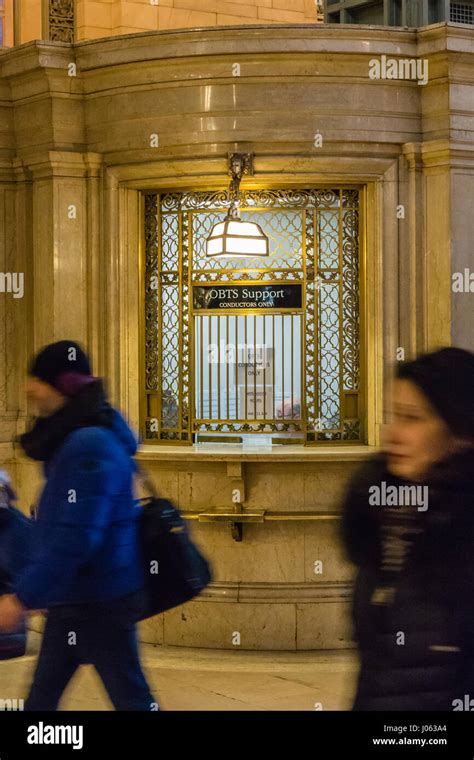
(446,378)
(55,361)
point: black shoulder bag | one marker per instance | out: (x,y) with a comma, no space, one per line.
(175,570)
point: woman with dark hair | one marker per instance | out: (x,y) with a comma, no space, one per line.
(408,525)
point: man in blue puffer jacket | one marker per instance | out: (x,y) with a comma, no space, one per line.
(86,568)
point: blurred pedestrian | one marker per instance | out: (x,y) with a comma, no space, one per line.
(12,642)
(413,604)
(86,568)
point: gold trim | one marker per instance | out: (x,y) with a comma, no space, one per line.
(142,401)
(363,336)
(260,516)
(187,431)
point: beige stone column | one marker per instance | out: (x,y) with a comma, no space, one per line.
(94,246)
(128,290)
(412,259)
(436,253)
(15,300)
(462,237)
(410,227)
(110,339)
(426,258)
(119,340)
(11,302)
(19,337)
(64,225)
(56,237)
(391,273)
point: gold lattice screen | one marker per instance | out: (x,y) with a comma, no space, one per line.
(289,371)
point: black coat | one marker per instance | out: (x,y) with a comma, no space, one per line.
(417,649)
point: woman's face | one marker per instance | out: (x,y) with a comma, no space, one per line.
(416,436)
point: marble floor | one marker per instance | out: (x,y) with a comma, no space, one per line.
(200,679)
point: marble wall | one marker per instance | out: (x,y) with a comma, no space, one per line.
(75,153)
(286,584)
(120,17)
(106,18)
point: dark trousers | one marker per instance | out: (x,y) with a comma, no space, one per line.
(102,634)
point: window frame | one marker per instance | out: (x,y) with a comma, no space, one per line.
(362,438)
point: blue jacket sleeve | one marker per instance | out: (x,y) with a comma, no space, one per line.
(74,513)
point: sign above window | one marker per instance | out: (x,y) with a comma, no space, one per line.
(255,296)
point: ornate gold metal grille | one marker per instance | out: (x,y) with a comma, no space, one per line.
(314,374)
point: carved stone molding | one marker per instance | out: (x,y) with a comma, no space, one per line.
(61,20)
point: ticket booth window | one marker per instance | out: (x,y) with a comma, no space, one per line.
(248,374)
(263,349)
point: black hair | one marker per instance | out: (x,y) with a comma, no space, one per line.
(446,377)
